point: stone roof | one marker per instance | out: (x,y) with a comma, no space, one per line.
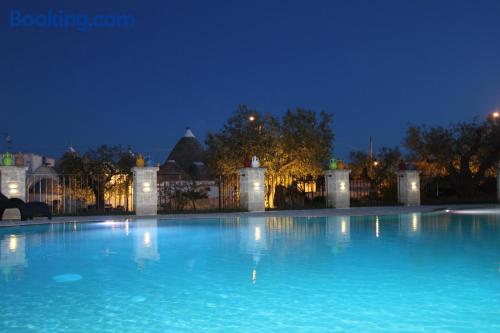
(171,170)
(199,171)
(187,151)
(186,161)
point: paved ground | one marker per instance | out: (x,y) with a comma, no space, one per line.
(355,211)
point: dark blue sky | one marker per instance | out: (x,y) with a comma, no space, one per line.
(377,65)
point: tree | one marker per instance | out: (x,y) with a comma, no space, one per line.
(245,134)
(192,193)
(465,152)
(381,171)
(299,144)
(306,142)
(96,168)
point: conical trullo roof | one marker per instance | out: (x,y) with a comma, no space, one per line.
(187,151)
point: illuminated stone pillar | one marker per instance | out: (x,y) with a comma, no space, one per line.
(13,181)
(409,187)
(337,188)
(145,190)
(252,196)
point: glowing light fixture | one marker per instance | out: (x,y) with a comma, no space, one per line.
(13,188)
(342,186)
(146,187)
(496,114)
(413,186)
(256,186)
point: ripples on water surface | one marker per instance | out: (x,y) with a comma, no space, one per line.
(407,273)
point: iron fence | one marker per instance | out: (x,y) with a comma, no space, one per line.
(366,192)
(439,190)
(80,195)
(294,192)
(177,195)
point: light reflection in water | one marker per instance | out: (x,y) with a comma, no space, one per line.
(253,238)
(338,232)
(12,254)
(343,227)
(12,243)
(377,227)
(146,241)
(257,233)
(409,224)
(414,223)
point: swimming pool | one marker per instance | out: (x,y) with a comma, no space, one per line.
(435,272)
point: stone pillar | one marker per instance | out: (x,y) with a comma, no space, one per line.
(409,187)
(145,190)
(13,181)
(337,188)
(252,196)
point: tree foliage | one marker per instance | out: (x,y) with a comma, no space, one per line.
(299,143)
(96,167)
(464,152)
(379,170)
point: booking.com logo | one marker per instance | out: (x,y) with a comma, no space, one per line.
(61,20)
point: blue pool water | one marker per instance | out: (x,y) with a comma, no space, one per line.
(434,272)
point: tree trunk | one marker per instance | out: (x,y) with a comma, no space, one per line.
(465,186)
(271,186)
(98,190)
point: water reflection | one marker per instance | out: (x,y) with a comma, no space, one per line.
(253,241)
(145,241)
(254,238)
(12,255)
(338,232)
(410,224)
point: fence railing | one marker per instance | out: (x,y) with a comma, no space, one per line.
(437,190)
(80,195)
(175,195)
(366,192)
(294,192)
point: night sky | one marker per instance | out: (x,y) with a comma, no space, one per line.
(376,65)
